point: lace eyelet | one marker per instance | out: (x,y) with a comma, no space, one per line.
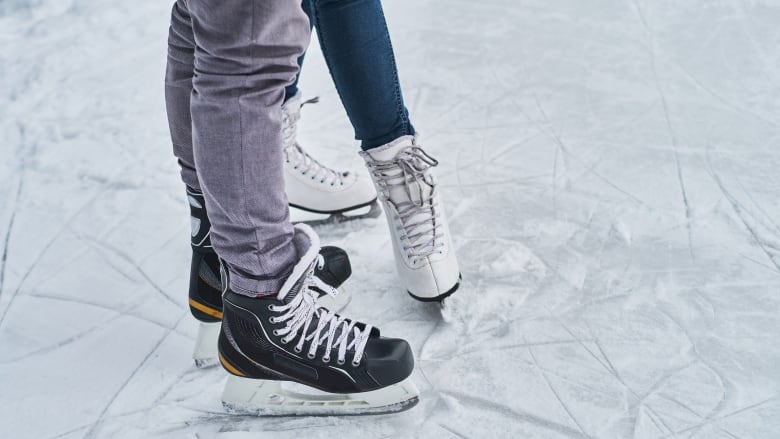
(276,333)
(326,360)
(284,341)
(297,350)
(340,362)
(271,308)
(272,320)
(355,364)
(310,356)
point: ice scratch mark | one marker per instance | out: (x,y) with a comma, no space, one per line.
(8,231)
(768,220)
(63,343)
(669,127)
(124,256)
(524,345)
(451,431)
(720,98)
(95,426)
(737,207)
(122,311)
(428,337)
(720,418)
(700,359)
(5,250)
(45,250)
(589,169)
(612,370)
(552,389)
(506,411)
(71,431)
(695,413)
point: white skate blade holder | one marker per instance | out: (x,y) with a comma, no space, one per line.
(205,353)
(271,398)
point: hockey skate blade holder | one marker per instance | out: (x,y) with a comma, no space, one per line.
(273,398)
(205,353)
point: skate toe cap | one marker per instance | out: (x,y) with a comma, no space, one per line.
(389,360)
(434,279)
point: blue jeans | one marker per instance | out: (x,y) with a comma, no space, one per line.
(356,45)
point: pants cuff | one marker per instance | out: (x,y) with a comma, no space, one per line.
(255,287)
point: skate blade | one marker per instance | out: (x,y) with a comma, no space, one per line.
(371,211)
(269,398)
(205,353)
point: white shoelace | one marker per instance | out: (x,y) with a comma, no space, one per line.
(418,213)
(301,311)
(299,158)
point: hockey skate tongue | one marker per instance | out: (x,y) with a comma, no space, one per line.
(390,151)
(307,245)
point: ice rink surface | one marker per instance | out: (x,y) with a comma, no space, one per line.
(611,174)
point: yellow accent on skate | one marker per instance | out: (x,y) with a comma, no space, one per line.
(229,366)
(206,309)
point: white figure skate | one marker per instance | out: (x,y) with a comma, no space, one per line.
(422,243)
(313,187)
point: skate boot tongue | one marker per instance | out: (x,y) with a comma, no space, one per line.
(309,323)
(307,246)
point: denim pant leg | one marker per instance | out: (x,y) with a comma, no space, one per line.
(244,56)
(356,45)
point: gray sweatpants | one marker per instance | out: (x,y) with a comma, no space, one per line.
(228,64)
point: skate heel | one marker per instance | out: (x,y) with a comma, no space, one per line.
(205,353)
(271,398)
(205,294)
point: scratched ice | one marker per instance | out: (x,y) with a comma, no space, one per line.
(610,170)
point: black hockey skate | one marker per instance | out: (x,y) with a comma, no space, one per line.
(205,292)
(288,339)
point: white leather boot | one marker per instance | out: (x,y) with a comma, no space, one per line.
(422,244)
(312,186)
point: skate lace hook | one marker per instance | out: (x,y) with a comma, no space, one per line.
(301,311)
